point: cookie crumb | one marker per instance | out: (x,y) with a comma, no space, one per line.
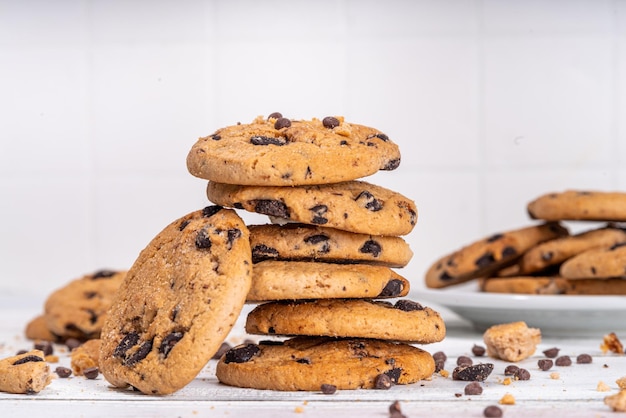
(506,381)
(621,382)
(617,402)
(444,373)
(603,387)
(611,342)
(513,341)
(555,375)
(478,372)
(507,399)
(52,358)
(298,410)
(492,411)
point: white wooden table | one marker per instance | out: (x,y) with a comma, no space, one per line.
(573,394)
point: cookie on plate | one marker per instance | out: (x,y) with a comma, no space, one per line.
(178,302)
(26,373)
(355,206)
(307,363)
(78,309)
(597,263)
(554,286)
(579,205)
(484,257)
(281,152)
(405,321)
(280,280)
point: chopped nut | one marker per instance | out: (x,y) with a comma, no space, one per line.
(507,399)
(611,343)
(603,387)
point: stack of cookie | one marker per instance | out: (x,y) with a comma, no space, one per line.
(546,258)
(323,266)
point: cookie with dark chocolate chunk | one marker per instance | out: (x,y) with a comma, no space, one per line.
(278,151)
(606,262)
(178,302)
(309,363)
(354,206)
(585,205)
(26,373)
(484,257)
(280,280)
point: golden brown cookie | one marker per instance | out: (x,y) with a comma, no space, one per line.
(37,330)
(178,302)
(307,363)
(405,321)
(484,257)
(301,242)
(279,280)
(26,373)
(579,205)
(597,263)
(513,342)
(354,206)
(554,286)
(281,152)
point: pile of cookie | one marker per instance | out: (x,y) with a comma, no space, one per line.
(545,258)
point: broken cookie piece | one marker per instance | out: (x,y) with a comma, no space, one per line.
(26,373)
(85,357)
(512,342)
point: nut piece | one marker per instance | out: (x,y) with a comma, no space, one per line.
(511,342)
(617,402)
(611,343)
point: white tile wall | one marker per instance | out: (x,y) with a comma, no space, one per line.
(492,103)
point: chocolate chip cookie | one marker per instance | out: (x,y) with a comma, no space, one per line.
(78,309)
(354,206)
(307,363)
(405,320)
(26,373)
(597,263)
(554,286)
(283,152)
(279,280)
(579,205)
(484,257)
(301,242)
(178,302)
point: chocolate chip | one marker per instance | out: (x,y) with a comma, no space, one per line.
(45,346)
(209,211)
(382,381)
(328,389)
(232,235)
(262,252)
(551,352)
(93,317)
(485,260)
(318,214)
(464,361)
(508,252)
(330,122)
(473,388)
(72,343)
(304,360)
(495,237)
(221,351)
(183,224)
(510,370)
(103,274)
(444,276)
(380,135)
(408,305)
(545,364)
(478,350)
(368,201)
(395,411)
(20,352)
(492,411)
(203,240)
(563,361)
(63,372)
(141,353)
(547,256)
(267,140)
(391,165)
(27,359)
(439,365)
(130,340)
(440,355)
(91,372)
(371,247)
(316,239)
(216,137)
(584,359)
(392,289)
(478,372)
(522,374)
(272,208)
(394,374)
(241,354)
(282,123)
(90,295)
(169,342)
(275,115)
(616,246)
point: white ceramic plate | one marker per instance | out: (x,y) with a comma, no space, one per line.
(557,315)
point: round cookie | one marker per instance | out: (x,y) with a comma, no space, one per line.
(280,280)
(484,257)
(597,263)
(178,302)
(554,286)
(78,309)
(579,205)
(280,152)
(37,330)
(556,251)
(307,363)
(294,241)
(354,206)
(356,318)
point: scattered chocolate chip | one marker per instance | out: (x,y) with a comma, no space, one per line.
(392,289)
(328,389)
(169,342)
(203,240)
(368,201)
(63,372)
(262,252)
(221,351)
(563,361)
(330,122)
(492,411)
(485,260)
(478,372)
(275,115)
(267,140)
(510,370)
(391,165)
(408,305)
(371,247)
(72,343)
(91,372)
(382,381)
(464,361)
(272,208)
(551,352)
(395,408)
(103,274)
(584,359)
(318,214)
(545,364)
(473,388)
(282,123)
(439,365)
(458,395)
(45,346)
(241,354)
(478,350)
(440,355)
(27,359)
(522,374)
(209,211)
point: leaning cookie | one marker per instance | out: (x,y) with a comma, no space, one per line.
(280,280)
(554,286)
(354,206)
(178,302)
(37,330)
(308,363)
(597,263)
(295,241)
(405,321)
(579,205)
(484,257)
(282,152)
(26,373)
